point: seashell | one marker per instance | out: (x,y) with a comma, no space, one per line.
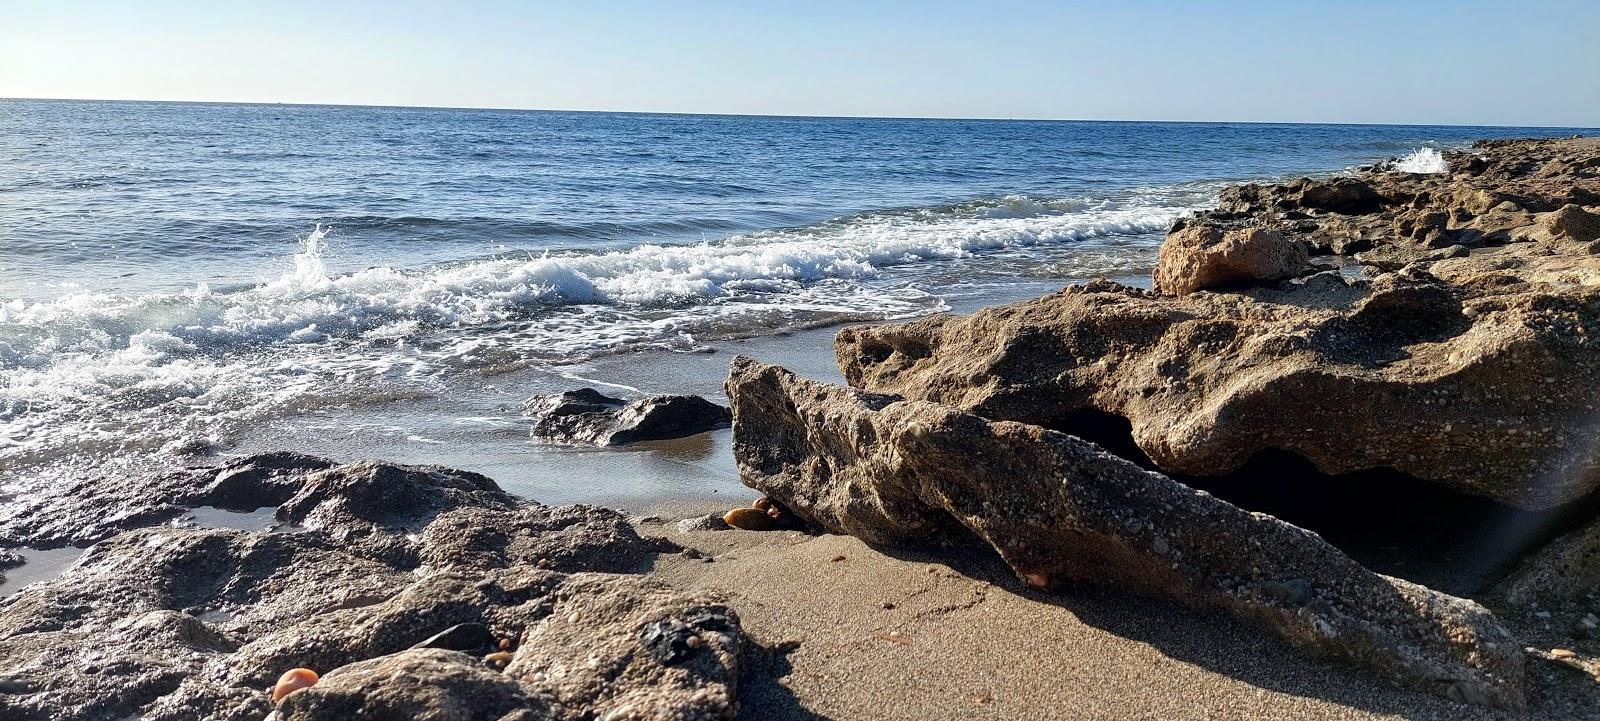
(293,680)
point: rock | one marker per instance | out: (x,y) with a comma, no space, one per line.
(587,417)
(421,684)
(748,519)
(893,471)
(101,506)
(709,522)
(1198,257)
(389,495)
(1571,222)
(1449,374)
(390,558)
(1561,571)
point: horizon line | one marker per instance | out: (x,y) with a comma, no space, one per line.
(782,115)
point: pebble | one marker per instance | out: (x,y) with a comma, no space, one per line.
(888,605)
(1037,580)
(693,642)
(836,559)
(573,617)
(748,519)
(1563,653)
(293,680)
(762,504)
(499,659)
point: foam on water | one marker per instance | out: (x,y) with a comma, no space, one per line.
(1422,160)
(180,372)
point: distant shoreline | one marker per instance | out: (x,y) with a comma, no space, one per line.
(797,116)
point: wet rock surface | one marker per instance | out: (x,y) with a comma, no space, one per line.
(383,559)
(587,417)
(1058,508)
(1449,361)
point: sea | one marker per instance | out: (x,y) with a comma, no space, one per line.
(181,283)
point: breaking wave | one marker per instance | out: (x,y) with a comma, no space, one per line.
(1422,160)
(179,372)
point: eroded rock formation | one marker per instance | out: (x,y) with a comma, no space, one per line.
(177,623)
(1455,360)
(895,471)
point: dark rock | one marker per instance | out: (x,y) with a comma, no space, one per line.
(587,417)
(893,471)
(464,637)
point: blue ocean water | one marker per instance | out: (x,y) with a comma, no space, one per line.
(172,273)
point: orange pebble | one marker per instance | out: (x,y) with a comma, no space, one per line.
(293,680)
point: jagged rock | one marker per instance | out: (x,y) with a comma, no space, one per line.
(586,416)
(562,538)
(101,506)
(894,471)
(387,495)
(416,685)
(1407,372)
(1198,257)
(182,624)
(1452,365)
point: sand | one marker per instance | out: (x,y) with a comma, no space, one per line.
(892,634)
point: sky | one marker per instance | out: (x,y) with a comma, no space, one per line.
(1533,62)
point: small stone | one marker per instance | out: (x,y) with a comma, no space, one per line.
(1563,653)
(499,659)
(693,642)
(572,617)
(544,563)
(293,680)
(505,644)
(748,519)
(1037,580)
(762,504)
(888,605)
(836,559)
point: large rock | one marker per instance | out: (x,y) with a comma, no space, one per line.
(172,623)
(1197,257)
(585,416)
(1454,364)
(1055,507)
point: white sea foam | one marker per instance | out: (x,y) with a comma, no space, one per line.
(1422,160)
(180,371)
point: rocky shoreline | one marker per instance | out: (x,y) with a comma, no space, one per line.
(1312,355)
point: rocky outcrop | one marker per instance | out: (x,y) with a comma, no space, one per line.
(1451,361)
(1200,257)
(1058,508)
(587,417)
(371,589)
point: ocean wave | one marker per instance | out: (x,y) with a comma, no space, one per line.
(1422,160)
(179,371)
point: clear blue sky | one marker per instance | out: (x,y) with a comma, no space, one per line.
(1533,62)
